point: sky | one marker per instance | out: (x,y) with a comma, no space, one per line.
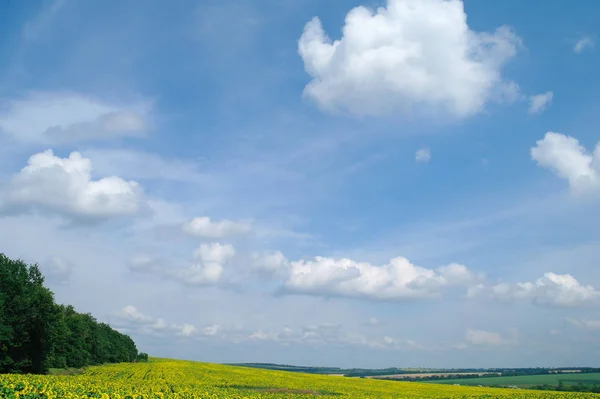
(400,183)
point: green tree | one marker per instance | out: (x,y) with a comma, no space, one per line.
(26,304)
(37,334)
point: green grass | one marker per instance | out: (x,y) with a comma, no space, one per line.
(527,381)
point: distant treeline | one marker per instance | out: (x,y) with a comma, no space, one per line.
(37,334)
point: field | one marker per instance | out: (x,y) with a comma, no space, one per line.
(527,381)
(417,375)
(167,379)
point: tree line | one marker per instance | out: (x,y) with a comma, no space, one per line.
(37,334)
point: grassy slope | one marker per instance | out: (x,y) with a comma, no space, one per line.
(527,380)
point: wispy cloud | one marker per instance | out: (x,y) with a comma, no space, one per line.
(423,155)
(540,102)
(584,44)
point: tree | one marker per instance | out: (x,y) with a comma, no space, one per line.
(37,334)
(25,307)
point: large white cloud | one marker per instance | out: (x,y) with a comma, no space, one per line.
(50,118)
(570,160)
(65,186)
(550,290)
(412,55)
(204,227)
(397,280)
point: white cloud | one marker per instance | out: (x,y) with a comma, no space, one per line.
(410,55)
(204,227)
(207,267)
(373,322)
(159,324)
(211,330)
(64,186)
(260,335)
(423,155)
(568,159)
(132,314)
(130,318)
(215,253)
(585,43)
(485,338)
(329,334)
(397,280)
(54,118)
(551,290)
(540,102)
(186,330)
(273,264)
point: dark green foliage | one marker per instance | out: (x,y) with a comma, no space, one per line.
(37,334)
(142,357)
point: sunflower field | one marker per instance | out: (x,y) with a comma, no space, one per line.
(174,379)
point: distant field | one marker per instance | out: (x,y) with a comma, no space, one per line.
(417,375)
(527,381)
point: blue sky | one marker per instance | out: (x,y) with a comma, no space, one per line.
(395,183)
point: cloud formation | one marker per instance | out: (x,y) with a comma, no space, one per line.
(539,102)
(207,267)
(423,155)
(412,55)
(397,280)
(204,227)
(485,338)
(583,44)
(131,319)
(569,160)
(59,118)
(64,186)
(330,334)
(551,290)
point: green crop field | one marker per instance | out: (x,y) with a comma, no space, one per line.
(527,381)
